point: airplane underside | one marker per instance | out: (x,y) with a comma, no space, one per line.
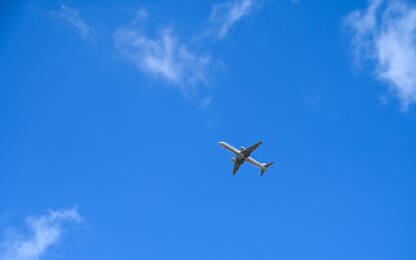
(243,155)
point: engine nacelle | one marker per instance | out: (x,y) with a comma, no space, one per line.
(232,159)
(242,148)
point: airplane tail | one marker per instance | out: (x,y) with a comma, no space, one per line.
(265,166)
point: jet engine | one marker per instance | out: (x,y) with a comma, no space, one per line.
(242,148)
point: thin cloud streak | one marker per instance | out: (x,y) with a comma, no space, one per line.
(46,231)
(71,16)
(166,56)
(385,33)
(162,56)
(225,15)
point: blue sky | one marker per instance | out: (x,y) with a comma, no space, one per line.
(111,113)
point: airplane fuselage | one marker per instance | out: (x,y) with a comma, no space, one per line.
(240,155)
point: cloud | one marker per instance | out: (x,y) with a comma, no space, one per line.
(46,231)
(386,34)
(225,15)
(72,17)
(161,55)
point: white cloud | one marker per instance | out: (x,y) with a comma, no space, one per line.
(45,230)
(224,15)
(162,55)
(72,17)
(386,34)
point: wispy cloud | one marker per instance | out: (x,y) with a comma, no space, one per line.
(45,231)
(178,60)
(225,15)
(162,54)
(385,33)
(71,16)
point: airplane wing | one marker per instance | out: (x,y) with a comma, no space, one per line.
(237,165)
(249,150)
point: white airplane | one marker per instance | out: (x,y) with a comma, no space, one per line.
(243,155)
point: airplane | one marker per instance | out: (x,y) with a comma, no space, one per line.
(243,155)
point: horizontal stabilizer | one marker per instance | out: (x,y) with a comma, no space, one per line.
(265,166)
(268,165)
